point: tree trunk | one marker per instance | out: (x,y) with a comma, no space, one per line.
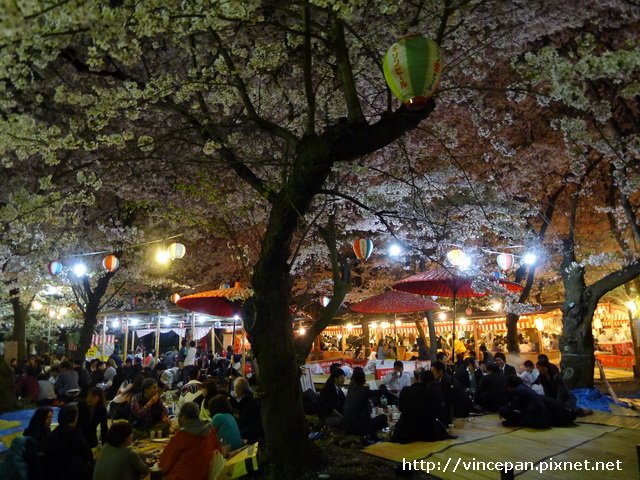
(433,344)
(7,387)
(576,341)
(280,393)
(90,318)
(20,318)
(365,336)
(512,333)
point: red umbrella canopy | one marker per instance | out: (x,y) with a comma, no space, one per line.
(394,301)
(445,283)
(223,302)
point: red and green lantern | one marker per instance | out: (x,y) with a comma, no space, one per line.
(412,68)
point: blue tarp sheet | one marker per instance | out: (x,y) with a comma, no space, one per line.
(592,398)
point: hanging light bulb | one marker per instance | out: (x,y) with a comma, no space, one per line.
(162,256)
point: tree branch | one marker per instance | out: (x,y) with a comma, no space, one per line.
(345,72)
(614,280)
(309,128)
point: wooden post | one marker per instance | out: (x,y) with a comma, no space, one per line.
(158,336)
(126,336)
(104,336)
(244,355)
(213,340)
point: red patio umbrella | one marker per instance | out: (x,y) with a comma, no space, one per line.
(222,302)
(446,283)
(394,301)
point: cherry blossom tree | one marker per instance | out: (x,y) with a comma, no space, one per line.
(277,95)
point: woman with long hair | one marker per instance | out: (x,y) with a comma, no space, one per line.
(91,414)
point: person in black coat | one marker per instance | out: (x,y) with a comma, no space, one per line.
(249,417)
(38,431)
(458,402)
(67,454)
(357,408)
(91,414)
(505,368)
(525,408)
(469,376)
(332,399)
(492,390)
(421,406)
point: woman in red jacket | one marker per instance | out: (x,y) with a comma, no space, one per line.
(189,452)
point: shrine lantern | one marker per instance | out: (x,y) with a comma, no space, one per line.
(55,267)
(177,250)
(110,263)
(363,247)
(412,67)
(175,297)
(505,261)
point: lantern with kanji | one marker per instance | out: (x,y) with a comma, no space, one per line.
(505,261)
(363,247)
(55,267)
(412,67)
(177,250)
(175,297)
(110,263)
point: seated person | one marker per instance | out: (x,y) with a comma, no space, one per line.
(469,376)
(555,388)
(91,414)
(192,390)
(492,390)
(501,361)
(332,399)
(225,423)
(357,408)
(249,416)
(398,379)
(147,410)
(38,432)
(189,452)
(66,385)
(116,460)
(525,408)
(67,454)
(530,373)
(458,402)
(421,405)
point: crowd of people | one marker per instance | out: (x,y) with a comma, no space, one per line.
(205,406)
(428,400)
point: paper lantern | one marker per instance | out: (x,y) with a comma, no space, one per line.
(455,256)
(110,263)
(412,67)
(55,267)
(177,250)
(468,311)
(363,247)
(505,261)
(325,301)
(175,297)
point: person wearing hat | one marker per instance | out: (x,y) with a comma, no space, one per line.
(147,409)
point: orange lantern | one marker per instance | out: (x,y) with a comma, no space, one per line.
(110,263)
(175,297)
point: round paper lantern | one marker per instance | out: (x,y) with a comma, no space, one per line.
(55,267)
(468,311)
(110,263)
(175,297)
(505,260)
(177,250)
(412,67)
(455,256)
(363,247)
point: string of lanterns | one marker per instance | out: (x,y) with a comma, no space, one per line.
(111,263)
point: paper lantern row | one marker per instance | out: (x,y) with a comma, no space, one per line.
(110,263)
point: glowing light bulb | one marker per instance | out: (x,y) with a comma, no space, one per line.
(395,250)
(79,270)
(163,256)
(442,316)
(302,330)
(529,258)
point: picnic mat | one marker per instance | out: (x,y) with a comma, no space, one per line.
(467,430)
(602,418)
(464,458)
